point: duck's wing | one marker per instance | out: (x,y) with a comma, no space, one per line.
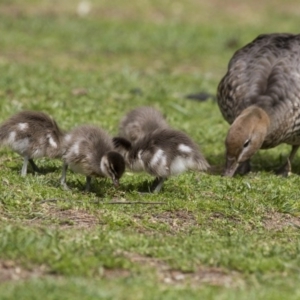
(264,73)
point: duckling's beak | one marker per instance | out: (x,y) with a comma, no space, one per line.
(231,166)
(116,182)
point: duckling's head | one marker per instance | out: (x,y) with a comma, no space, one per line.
(245,137)
(113,166)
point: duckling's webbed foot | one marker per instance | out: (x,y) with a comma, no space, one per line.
(157,184)
(244,168)
(35,168)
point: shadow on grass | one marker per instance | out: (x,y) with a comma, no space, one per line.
(270,162)
(265,160)
(43,170)
(142,187)
(98,186)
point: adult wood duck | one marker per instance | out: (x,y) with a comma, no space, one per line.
(260,97)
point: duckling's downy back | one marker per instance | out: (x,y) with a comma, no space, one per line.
(32,134)
(86,145)
(163,153)
(89,150)
(140,122)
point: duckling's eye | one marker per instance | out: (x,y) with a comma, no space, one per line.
(246,144)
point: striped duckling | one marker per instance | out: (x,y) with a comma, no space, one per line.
(162,153)
(89,150)
(141,121)
(260,97)
(32,134)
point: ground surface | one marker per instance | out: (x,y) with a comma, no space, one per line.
(204,236)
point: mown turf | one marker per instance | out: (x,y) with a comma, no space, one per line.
(204,236)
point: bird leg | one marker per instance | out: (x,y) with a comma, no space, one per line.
(24,167)
(63,177)
(244,168)
(285,169)
(157,184)
(88,183)
(34,166)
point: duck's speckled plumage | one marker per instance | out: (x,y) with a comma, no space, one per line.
(265,74)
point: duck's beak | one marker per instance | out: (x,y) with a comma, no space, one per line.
(230,167)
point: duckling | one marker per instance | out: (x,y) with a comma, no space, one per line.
(89,150)
(141,121)
(162,153)
(32,134)
(259,96)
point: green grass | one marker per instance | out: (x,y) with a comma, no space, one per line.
(210,237)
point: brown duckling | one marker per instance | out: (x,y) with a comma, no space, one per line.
(141,121)
(32,134)
(260,97)
(89,150)
(162,153)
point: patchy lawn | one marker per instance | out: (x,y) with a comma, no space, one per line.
(204,236)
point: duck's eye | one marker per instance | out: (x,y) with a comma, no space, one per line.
(246,144)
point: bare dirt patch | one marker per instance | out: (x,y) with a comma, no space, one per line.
(202,275)
(277,221)
(218,215)
(116,273)
(10,270)
(67,217)
(177,221)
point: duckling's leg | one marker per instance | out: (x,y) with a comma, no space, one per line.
(286,168)
(24,167)
(34,166)
(88,183)
(157,184)
(63,177)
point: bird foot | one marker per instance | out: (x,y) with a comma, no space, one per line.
(64,185)
(35,168)
(284,170)
(156,187)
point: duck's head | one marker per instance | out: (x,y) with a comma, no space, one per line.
(245,137)
(113,166)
